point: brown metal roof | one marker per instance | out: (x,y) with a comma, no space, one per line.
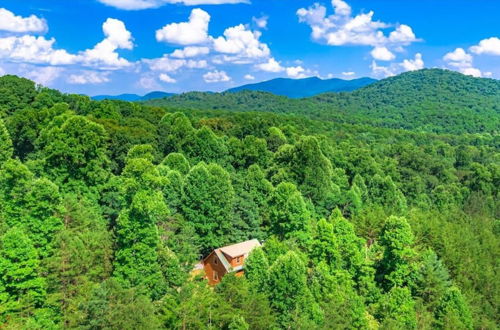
(240,249)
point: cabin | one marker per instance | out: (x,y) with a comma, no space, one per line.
(227,259)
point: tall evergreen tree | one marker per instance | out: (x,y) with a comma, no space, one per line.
(452,311)
(396,309)
(397,267)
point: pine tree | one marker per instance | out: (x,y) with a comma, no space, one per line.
(452,311)
(397,267)
(432,280)
(396,309)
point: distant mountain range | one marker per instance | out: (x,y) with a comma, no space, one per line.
(293,88)
(306,87)
(133,97)
(432,100)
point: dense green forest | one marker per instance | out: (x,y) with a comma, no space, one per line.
(431,100)
(105,206)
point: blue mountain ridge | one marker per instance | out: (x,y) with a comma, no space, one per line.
(306,87)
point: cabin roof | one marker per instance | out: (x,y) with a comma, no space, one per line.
(240,249)
(235,250)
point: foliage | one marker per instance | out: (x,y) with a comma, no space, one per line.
(376,208)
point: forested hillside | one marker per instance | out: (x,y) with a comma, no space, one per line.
(296,88)
(105,206)
(431,100)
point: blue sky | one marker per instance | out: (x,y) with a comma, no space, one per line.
(136,46)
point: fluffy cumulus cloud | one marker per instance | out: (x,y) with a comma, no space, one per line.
(12,23)
(462,61)
(247,76)
(31,49)
(295,72)
(393,69)
(382,54)
(104,53)
(270,66)
(241,45)
(44,75)
(191,51)
(89,77)
(342,28)
(38,50)
(489,46)
(348,73)
(413,64)
(166,78)
(193,32)
(147,4)
(216,76)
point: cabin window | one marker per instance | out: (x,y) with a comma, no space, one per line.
(215,260)
(216,276)
(238,260)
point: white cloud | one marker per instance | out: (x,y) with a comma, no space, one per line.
(168,64)
(393,69)
(12,23)
(382,71)
(461,61)
(348,73)
(472,72)
(89,77)
(260,22)
(104,53)
(44,75)
(342,28)
(382,54)
(270,66)
(295,72)
(216,76)
(31,49)
(2,71)
(249,77)
(489,46)
(147,82)
(341,8)
(241,43)
(147,4)
(38,50)
(403,35)
(190,51)
(458,55)
(193,32)
(413,65)
(166,78)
